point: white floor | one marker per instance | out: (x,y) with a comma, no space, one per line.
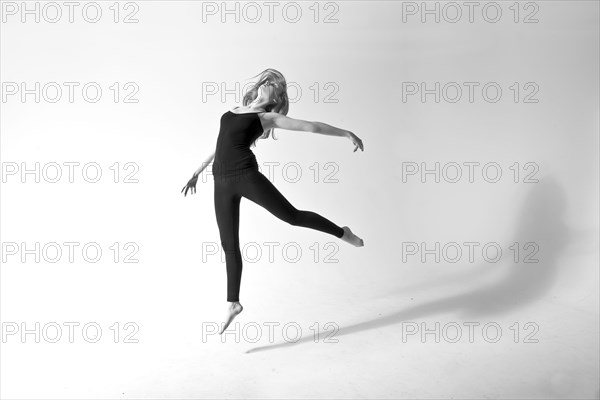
(362,354)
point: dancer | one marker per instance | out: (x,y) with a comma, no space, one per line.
(236,174)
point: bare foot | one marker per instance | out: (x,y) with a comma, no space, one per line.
(351,237)
(234,309)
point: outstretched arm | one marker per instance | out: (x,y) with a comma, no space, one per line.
(191,185)
(204,164)
(276,120)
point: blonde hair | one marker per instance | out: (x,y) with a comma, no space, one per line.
(281,104)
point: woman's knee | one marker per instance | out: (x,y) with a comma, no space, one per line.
(295,217)
(230,245)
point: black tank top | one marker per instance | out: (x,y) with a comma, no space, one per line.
(233,154)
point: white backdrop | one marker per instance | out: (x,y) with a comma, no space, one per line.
(517,96)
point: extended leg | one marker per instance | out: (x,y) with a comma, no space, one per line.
(227,209)
(261,191)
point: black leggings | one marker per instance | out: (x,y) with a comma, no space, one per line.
(253,185)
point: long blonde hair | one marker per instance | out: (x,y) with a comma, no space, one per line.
(281,104)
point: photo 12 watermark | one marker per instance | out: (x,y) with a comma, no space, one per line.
(69,332)
(469,332)
(316,92)
(470,92)
(472,12)
(69,12)
(253,12)
(69,252)
(69,92)
(69,172)
(253,332)
(288,172)
(469,172)
(471,252)
(276,252)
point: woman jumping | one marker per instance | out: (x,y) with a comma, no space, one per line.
(236,174)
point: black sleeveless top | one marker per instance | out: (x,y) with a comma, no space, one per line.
(233,155)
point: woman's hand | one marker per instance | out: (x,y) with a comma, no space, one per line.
(356,141)
(191,186)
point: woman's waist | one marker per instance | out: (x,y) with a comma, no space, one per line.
(235,166)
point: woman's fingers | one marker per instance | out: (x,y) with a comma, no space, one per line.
(357,143)
(191,187)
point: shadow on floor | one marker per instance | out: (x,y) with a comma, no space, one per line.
(541,221)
